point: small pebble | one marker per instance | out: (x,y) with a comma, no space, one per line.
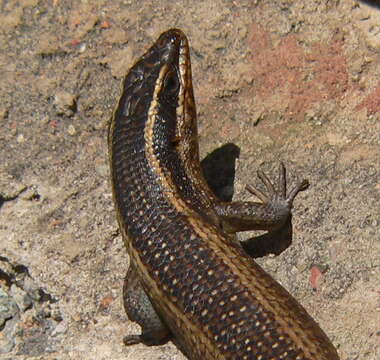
(20,138)
(71,130)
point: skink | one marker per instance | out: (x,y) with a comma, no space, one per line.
(189,279)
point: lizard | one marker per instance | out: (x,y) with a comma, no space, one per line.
(189,279)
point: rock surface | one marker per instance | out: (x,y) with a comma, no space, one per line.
(291,80)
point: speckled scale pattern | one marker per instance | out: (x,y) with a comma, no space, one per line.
(202,285)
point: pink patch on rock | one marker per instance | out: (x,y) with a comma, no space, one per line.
(371,102)
(299,78)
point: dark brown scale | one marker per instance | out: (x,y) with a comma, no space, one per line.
(216,301)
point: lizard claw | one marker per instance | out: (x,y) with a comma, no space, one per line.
(280,194)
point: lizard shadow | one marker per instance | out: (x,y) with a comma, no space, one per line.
(219,170)
(373,3)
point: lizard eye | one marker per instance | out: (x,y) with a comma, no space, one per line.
(171,83)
